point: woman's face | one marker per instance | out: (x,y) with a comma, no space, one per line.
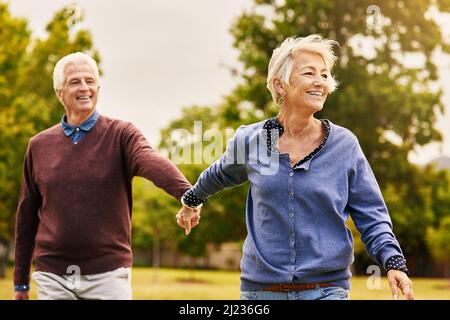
(308,87)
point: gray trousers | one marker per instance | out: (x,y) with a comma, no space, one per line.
(112,285)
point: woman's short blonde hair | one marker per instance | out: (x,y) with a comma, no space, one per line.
(281,63)
(59,76)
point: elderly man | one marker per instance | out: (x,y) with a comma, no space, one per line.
(75,204)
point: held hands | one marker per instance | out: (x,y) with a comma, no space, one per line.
(188,218)
(398,279)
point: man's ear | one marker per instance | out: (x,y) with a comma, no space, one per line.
(58,93)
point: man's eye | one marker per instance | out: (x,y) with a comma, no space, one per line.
(325,76)
(308,73)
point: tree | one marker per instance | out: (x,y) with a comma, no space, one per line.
(438,241)
(222,219)
(27,100)
(390,106)
(153,219)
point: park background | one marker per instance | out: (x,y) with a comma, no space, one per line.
(167,64)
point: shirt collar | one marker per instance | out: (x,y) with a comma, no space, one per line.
(86,126)
(273,123)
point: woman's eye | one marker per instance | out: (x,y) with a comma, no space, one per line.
(308,73)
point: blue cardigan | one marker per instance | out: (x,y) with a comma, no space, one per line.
(296,217)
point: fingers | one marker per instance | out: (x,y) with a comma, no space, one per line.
(408,293)
(399,280)
(188,219)
(394,288)
(187,225)
(180,221)
(407,290)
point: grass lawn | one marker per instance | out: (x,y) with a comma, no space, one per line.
(180,284)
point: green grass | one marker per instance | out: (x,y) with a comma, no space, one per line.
(180,284)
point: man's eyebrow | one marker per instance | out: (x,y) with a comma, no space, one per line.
(78,78)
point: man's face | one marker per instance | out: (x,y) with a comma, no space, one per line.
(80,90)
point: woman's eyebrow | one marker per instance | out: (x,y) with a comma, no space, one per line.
(312,67)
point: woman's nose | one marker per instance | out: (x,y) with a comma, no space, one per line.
(319,82)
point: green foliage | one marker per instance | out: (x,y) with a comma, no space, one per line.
(390,106)
(27,100)
(153,214)
(438,241)
(223,217)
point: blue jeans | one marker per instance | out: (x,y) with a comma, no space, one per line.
(326,293)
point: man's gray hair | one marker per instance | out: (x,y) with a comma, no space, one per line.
(59,76)
(281,63)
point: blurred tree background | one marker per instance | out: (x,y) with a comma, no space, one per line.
(389,105)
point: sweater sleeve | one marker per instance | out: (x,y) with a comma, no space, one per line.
(369,212)
(27,222)
(144,161)
(229,170)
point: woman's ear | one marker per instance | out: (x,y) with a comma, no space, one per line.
(278,85)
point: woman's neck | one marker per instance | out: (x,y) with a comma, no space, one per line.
(296,124)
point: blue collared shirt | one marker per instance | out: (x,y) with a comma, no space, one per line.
(296,215)
(77,133)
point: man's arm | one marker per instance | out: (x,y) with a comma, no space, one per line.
(27,222)
(146,162)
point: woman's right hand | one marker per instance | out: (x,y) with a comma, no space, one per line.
(188,218)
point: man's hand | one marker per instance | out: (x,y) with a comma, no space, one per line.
(21,295)
(399,279)
(188,218)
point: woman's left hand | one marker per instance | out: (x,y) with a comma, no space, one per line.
(398,279)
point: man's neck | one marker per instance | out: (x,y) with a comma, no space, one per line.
(76,119)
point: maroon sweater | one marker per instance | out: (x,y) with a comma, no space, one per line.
(76,199)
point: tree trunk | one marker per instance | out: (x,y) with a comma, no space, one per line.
(156,258)
(446,272)
(193,267)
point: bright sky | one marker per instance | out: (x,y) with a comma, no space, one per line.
(159,56)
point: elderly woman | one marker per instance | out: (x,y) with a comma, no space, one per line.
(298,245)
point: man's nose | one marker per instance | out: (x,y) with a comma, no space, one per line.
(83,85)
